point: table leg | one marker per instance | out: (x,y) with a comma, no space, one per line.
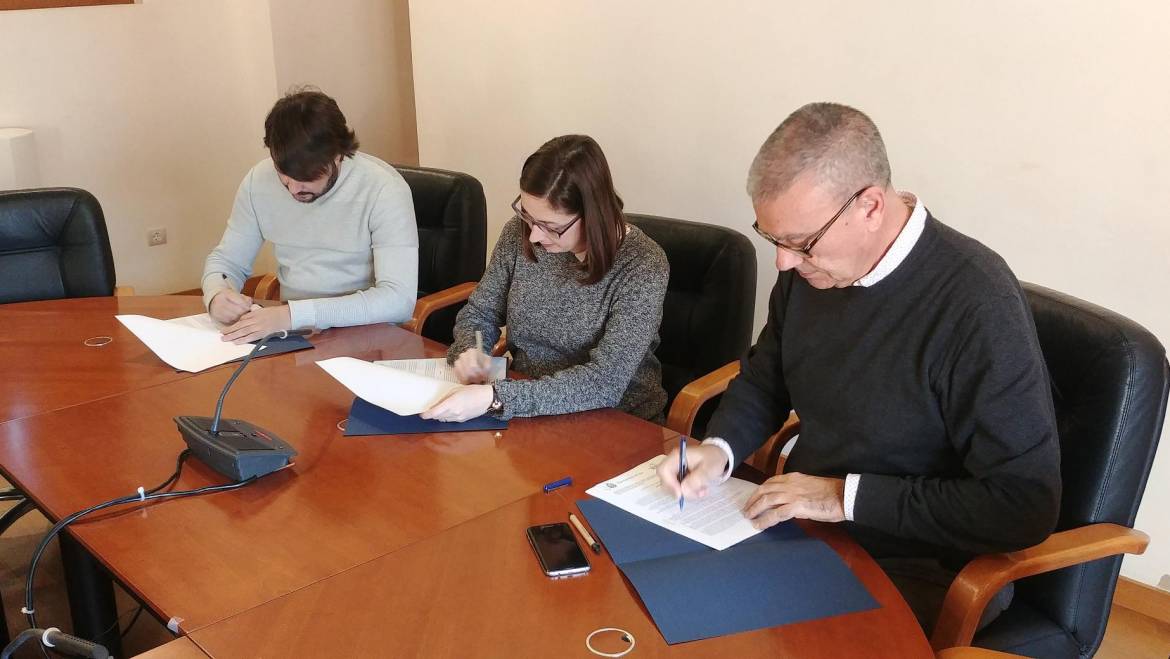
(5,639)
(10,517)
(91,596)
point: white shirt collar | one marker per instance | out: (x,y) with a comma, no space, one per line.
(905,242)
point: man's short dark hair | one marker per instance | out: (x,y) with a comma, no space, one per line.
(305,132)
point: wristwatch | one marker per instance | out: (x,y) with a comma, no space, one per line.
(497,404)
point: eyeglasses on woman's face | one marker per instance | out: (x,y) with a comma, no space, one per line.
(543,226)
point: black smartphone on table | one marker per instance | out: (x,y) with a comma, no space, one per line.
(557,550)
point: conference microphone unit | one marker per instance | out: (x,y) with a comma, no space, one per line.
(237,449)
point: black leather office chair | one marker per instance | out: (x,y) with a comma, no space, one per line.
(452,242)
(708,312)
(1110,381)
(53,245)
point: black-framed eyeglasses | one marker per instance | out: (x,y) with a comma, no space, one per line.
(543,226)
(804,251)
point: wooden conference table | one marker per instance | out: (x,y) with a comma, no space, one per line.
(411,545)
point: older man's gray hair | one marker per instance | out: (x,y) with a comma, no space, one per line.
(836,143)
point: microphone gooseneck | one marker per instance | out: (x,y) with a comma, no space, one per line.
(282,334)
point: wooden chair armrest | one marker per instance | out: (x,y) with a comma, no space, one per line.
(501,346)
(768,458)
(262,287)
(267,288)
(429,304)
(123,291)
(984,576)
(688,401)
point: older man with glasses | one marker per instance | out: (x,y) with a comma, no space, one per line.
(909,353)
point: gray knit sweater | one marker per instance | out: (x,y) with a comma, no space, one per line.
(585,347)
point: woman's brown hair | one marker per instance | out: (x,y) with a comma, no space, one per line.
(570,172)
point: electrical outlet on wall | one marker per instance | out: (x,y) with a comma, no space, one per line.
(155,237)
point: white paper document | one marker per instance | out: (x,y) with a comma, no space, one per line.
(187,344)
(200,321)
(402,392)
(438,368)
(716,520)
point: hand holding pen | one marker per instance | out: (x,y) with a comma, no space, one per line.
(227,305)
(688,472)
(474,365)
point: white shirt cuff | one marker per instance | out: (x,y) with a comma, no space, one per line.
(716,441)
(852,481)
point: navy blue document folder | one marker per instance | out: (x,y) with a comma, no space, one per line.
(693,592)
(366,418)
(277,347)
(280,346)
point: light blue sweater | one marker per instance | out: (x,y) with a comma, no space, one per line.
(348,258)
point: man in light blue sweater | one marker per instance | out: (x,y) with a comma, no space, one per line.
(341,223)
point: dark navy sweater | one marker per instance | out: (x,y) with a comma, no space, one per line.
(930,384)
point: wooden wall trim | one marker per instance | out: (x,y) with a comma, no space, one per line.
(49,4)
(1146,600)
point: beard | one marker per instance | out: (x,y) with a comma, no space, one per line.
(310,197)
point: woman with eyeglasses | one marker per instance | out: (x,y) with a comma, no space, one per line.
(580,291)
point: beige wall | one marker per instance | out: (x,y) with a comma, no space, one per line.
(362,60)
(158,108)
(151,107)
(1041,128)
(358,52)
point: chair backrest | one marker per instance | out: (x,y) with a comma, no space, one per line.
(53,245)
(1110,381)
(451,213)
(710,300)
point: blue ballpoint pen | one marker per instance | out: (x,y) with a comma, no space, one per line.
(682,467)
(564,482)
